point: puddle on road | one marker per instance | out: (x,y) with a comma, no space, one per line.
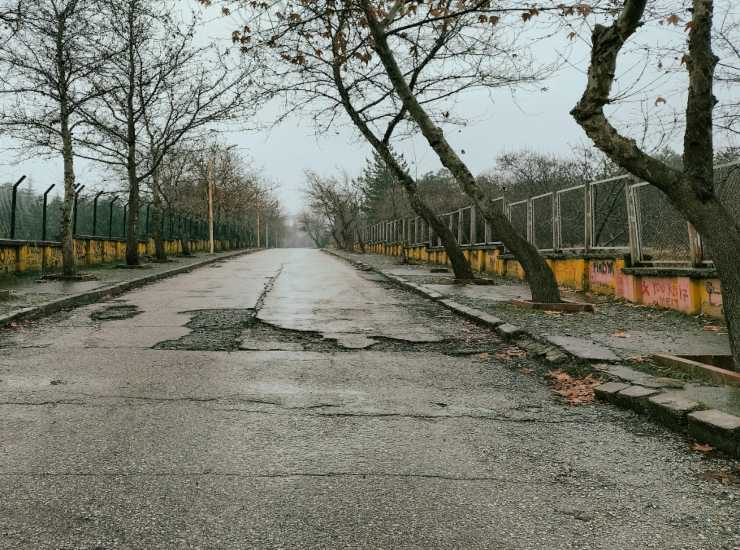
(240,329)
(115,313)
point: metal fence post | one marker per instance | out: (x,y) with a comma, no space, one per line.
(588,234)
(43,214)
(110,218)
(95,213)
(633,224)
(146,225)
(13,204)
(78,190)
(556,239)
(123,226)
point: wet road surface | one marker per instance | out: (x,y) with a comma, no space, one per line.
(287,400)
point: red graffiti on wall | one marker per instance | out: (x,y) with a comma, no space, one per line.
(669,293)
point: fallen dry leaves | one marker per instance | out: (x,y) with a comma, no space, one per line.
(621,334)
(702,447)
(576,391)
(512,352)
(712,328)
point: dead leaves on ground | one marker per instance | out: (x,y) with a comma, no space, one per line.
(702,447)
(511,352)
(576,391)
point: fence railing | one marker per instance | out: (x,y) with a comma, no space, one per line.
(26,215)
(616,214)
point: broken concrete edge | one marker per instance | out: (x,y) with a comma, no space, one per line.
(691,418)
(98,294)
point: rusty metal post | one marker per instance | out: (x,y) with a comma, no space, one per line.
(110,217)
(13,205)
(43,214)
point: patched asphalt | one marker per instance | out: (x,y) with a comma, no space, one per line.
(287,400)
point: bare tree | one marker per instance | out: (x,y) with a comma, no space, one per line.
(315,227)
(338,201)
(691,188)
(55,47)
(166,88)
(386,24)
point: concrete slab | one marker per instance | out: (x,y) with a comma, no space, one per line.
(581,348)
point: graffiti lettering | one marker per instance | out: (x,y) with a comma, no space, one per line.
(602,273)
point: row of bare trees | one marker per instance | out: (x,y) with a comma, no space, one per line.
(240,194)
(393,67)
(124,83)
(334,211)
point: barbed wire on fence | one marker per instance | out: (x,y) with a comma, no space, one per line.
(25,218)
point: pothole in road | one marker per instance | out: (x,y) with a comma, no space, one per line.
(240,329)
(115,313)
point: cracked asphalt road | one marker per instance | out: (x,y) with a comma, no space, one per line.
(286,400)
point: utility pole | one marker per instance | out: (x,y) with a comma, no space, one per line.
(210,204)
(267,236)
(258,228)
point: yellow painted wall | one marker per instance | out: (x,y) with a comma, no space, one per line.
(22,257)
(599,275)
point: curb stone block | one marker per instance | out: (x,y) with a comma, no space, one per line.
(671,409)
(507,330)
(717,428)
(606,392)
(634,397)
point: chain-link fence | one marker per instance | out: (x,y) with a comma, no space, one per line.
(543,221)
(571,217)
(664,237)
(609,213)
(614,214)
(518,216)
(27,215)
(727,183)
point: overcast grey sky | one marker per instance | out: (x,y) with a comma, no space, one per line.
(498,122)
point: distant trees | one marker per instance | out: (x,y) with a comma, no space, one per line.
(314,225)
(242,197)
(337,204)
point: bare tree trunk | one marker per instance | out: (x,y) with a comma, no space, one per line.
(160,253)
(69,267)
(721,235)
(132,240)
(691,190)
(185,239)
(460,265)
(542,282)
(68,244)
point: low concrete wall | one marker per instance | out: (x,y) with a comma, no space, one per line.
(689,290)
(29,256)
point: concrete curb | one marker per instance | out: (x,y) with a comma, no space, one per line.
(96,295)
(717,428)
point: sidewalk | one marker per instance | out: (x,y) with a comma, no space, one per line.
(624,334)
(627,330)
(32,297)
